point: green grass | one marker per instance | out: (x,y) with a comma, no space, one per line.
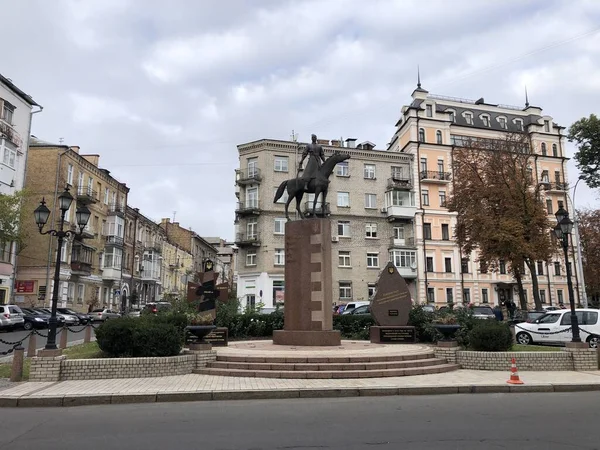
(534,348)
(81,351)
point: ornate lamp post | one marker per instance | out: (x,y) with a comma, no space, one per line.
(41,214)
(562,230)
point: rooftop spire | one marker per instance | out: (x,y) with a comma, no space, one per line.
(418,77)
(526,98)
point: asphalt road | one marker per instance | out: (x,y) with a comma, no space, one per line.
(14,336)
(472,421)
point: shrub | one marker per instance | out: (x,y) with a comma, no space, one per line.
(157,339)
(115,337)
(490,336)
(353,326)
(464,317)
(422,320)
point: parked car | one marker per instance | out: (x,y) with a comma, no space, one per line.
(134,313)
(44,316)
(551,308)
(34,319)
(102,314)
(429,308)
(156,307)
(525,316)
(554,327)
(352,305)
(68,319)
(11,317)
(364,309)
(483,312)
(83,318)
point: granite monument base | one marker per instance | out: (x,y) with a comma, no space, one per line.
(393,335)
(307,338)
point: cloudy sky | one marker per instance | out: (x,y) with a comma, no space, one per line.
(165,90)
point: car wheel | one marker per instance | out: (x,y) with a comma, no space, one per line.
(593,341)
(524,338)
(27,326)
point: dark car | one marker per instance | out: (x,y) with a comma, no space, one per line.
(158,307)
(83,318)
(34,319)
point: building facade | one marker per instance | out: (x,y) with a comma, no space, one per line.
(16,112)
(430,129)
(91,268)
(371,202)
(226,258)
(176,271)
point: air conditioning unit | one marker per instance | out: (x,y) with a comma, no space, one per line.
(384,209)
(335,239)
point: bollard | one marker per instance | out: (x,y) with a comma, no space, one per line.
(16,372)
(88,334)
(32,346)
(63,338)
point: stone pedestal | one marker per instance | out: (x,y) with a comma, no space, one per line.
(393,335)
(308,285)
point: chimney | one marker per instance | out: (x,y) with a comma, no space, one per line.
(323,141)
(351,142)
(94,159)
(75,148)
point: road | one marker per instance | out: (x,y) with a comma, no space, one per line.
(466,422)
(17,335)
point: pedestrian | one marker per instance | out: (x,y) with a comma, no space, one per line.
(498,313)
(511,307)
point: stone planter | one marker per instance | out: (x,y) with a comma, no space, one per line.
(448,331)
(199,332)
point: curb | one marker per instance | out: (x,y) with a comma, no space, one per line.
(195,396)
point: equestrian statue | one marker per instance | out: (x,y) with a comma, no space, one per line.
(314,179)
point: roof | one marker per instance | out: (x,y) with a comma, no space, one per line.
(35,142)
(9,84)
(493,115)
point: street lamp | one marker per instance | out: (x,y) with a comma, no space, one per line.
(562,230)
(41,214)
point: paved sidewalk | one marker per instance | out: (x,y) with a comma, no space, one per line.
(206,387)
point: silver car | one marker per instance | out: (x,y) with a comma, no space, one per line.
(11,316)
(102,314)
(69,319)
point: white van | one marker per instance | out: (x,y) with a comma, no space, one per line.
(554,327)
(352,305)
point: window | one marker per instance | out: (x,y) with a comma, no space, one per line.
(483,266)
(438,136)
(344,258)
(279,225)
(342,170)
(370,200)
(545,176)
(281,163)
(106,195)
(112,258)
(7,112)
(404,258)
(70,292)
(561,204)
(372,259)
(250,301)
(557,268)
(251,258)
(468,117)
(283,198)
(70,174)
(540,267)
(369,171)
(547,126)
(343,228)
(279,257)
(485,120)
(252,167)
(559,295)
(371,230)
(445,232)
(551,318)
(429,264)
(557,176)
(583,318)
(544,152)
(423,164)
(519,124)
(425,197)
(549,206)
(429,110)
(464,265)
(64,251)
(442,199)
(484,296)
(430,295)
(448,265)
(252,198)
(398,232)
(502,122)
(80,292)
(452,116)
(441,166)
(345,290)
(421,135)
(542,295)
(252,228)
(80,189)
(426,231)
(397,172)
(343,199)
(449,295)
(5,252)
(502,266)
(400,198)
(466,296)
(9,154)
(371,290)
(554,150)
(90,186)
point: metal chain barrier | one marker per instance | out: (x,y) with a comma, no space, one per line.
(76,331)
(10,350)
(2,341)
(40,334)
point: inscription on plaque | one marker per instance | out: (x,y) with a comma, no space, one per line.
(218,337)
(392,312)
(391,304)
(397,334)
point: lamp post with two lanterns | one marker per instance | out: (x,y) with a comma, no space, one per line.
(41,214)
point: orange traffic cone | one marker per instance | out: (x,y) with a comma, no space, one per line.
(514,373)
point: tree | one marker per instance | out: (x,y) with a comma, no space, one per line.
(10,220)
(589,233)
(499,209)
(586,134)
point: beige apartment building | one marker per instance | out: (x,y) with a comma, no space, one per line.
(372,206)
(429,129)
(176,271)
(91,268)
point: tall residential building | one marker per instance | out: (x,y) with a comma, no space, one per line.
(176,270)
(15,125)
(429,129)
(226,256)
(371,202)
(91,268)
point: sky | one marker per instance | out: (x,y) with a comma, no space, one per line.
(164,91)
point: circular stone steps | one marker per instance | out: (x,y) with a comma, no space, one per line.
(352,366)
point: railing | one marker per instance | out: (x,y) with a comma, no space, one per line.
(249,175)
(399,183)
(555,186)
(153,246)
(114,240)
(116,208)
(81,267)
(408,241)
(247,239)
(319,209)
(86,193)
(435,175)
(247,206)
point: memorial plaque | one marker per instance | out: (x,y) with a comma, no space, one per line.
(392,302)
(395,335)
(218,337)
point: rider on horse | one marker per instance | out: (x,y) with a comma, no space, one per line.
(314,162)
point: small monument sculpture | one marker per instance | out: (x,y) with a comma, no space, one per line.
(390,309)
(308,257)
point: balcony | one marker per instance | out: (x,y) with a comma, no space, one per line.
(81,259)
(116,209)
(405,261)
(399,183)
(247,240)
(150,275)
(153,246)
(400,212)
(81,268)
(408,241)
(117,241)
(248,176)
(557,186)
(248,208)
(435,176)
(111,273)
(86,195)
(320,211)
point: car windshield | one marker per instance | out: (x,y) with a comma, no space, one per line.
(68,311)
(482,310)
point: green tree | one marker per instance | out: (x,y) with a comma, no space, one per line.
(10,219)
(589,232)
(586,134)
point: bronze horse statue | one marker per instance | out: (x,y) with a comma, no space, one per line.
(317,185)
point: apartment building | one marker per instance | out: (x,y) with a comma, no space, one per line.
(16,113)
(371,202)
(429,129)
(176,271)
(91,268)
(226,256)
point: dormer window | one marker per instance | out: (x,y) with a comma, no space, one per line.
(429,110)
(485,119)
(502,122)
(452,116)
(519,124)
(468,117)
(547,126)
